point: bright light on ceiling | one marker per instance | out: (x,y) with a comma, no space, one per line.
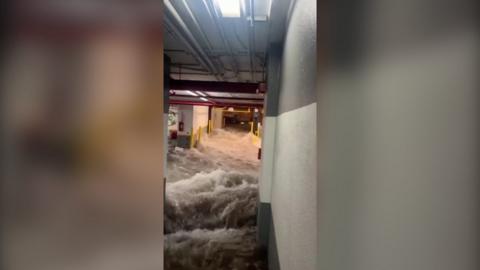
(229,8)
(204,99)
(200,93)
(191,93)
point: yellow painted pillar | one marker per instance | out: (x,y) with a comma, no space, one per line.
(192,139)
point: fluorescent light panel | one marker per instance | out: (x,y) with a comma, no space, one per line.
(229,8)
(204,99)
(200,93)
(191,93)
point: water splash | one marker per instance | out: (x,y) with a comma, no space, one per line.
(211,200)
(214,250)
(210,211)
(227,150)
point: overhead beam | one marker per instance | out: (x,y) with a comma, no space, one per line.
(213,97)
(208,86)
(218,104)
(216,100)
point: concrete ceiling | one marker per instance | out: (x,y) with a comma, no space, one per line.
(204,45)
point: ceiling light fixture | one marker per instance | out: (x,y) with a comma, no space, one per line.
(191,93)
(204,99)
(229,8)
(200,93)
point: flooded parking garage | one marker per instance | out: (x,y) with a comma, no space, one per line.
(211,201)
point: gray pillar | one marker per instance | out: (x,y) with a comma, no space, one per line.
(264,217)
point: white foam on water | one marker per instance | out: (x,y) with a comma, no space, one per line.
(228,150)
(211,200)
(214,250)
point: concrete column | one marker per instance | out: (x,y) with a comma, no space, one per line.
(268,142)
(293,231)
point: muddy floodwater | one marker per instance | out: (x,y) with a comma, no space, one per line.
(210,208)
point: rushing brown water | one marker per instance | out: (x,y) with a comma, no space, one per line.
(210,211)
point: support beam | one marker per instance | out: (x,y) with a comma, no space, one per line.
(223,87)
(212,97)
(216,104)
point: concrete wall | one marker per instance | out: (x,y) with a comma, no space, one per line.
(398,142)
(185,114)
(292,194)
(200,117)
(268,143)
(192,117)
(217,118)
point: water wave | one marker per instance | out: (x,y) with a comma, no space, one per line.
(210,205)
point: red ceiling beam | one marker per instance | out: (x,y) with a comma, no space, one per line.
(218,104)
(214,97)
(207,86)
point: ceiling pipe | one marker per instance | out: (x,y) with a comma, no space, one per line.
(197,24)
(190,47)
(251,39)
(188,39)
(201,31)
(250,54)
(215,18)
(250,18)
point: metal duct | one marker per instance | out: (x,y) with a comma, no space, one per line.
(251,40)
(202,33)
(215,18)
(186,36)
